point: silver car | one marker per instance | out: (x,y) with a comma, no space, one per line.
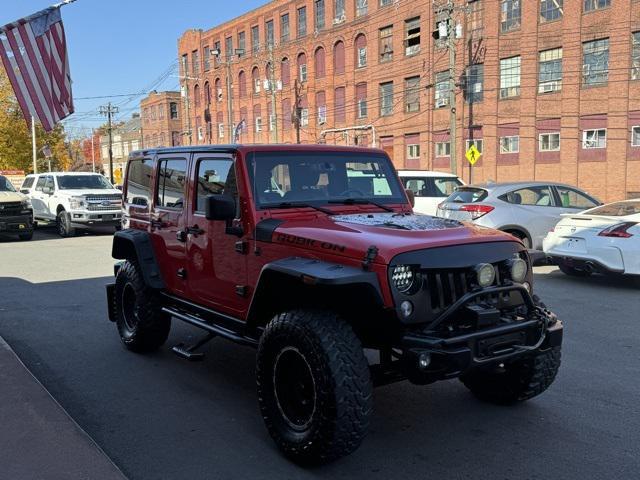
(527,210)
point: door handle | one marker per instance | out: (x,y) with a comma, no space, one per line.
(157,224)
(181,235)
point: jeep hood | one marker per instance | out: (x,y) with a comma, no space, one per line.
(11,197)
(391,233)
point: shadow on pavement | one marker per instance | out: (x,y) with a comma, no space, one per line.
(49,232)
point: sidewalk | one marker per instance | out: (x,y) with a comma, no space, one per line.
(38,440)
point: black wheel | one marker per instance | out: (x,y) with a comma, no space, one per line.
(25,237)
(522,237)
(573,271)
(314,386)
(64,225)
(516,381)
(141,324)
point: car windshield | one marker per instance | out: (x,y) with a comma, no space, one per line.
(5,185)
(321,178)
(467,195)
(618,209)
(83,182)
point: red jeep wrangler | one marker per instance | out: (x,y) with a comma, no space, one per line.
(312,254)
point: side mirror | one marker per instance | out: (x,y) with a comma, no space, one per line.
(47,190)
(412,198)
(220,207)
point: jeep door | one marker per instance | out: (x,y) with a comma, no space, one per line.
(168,218)
(217,269)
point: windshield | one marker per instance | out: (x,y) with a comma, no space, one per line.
(83,182)
(319,178)
(467,195)
(5,185)
(618,209)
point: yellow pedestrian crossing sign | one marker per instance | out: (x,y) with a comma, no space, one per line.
(473,154)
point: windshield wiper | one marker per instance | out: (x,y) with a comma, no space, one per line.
(362,201)
(300,205)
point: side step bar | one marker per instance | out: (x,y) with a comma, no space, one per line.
(210,327)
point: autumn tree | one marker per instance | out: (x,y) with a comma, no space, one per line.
(15,136)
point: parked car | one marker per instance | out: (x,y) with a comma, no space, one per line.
(429,188)
(527,210)
(74,200)
(16,214)
(604,239)
(310,254)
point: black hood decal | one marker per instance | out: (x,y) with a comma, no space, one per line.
(401,221)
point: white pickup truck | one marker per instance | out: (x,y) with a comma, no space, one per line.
(74,200)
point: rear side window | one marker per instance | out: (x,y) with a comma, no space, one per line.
(444,186)
(172,180)
(215,177)
(618,209)
(417,185)
(139,182)
(28,182)
(572,198)
(535,196)
(467,195)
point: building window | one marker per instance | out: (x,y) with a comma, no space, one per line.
(590,5)
(413,151)
(318,11)
(242,43)
(185,64)
(361,51)
(412,36)
(386,44)
(550,10)
(477,142)
(510,77)
(173,110)
(384,3)
(595,64)
(195,62)
(255,79)
(284,28)
(319,58)
(207,58)
(635,136)
(285,72)
(217,53)
(475,25)
(302,72)
(549,142)
(228,46)
(473,91)
(339,100)
(386,99)
(441,89)
(443,149)
(258,124)
(338,58)
(594,138)
(362,7)
(339,12)
(302,22)
(269,33)
(509,15)
(412,94)
(221,130)
(550,71)
(322,114)
(635,56)
(510,144)
(361,100)
(255,38)
(304,117)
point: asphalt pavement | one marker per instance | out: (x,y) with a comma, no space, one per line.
(160,417)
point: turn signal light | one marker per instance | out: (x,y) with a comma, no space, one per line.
(618,231)
(476,211)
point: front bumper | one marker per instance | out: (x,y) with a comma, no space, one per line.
(501,339)
(16,224)
(88,218)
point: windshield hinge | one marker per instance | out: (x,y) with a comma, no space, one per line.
(372,253)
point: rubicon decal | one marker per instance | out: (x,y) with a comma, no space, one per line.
(308,242)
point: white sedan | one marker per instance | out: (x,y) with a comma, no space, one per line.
(604,239)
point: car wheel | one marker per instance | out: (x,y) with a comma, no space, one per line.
(63,222)
(25,237)
(573,271)
(314,386)
(142,325)
(516,381)
(522,237)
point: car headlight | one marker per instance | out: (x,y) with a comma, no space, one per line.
(485,274)
(76,202)
(518,269)
(26,203)
(403,278)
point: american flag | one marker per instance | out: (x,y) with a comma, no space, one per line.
(34,53)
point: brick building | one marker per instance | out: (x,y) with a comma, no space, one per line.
(547,89)
(126,138)
(161,119)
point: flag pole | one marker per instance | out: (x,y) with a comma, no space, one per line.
(33,143)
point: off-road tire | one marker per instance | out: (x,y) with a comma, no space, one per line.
(25,237)
(342,388)
(63,225)
(517,381)
(141,324)
(572,271)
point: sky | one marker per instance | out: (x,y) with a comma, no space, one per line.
(119,47)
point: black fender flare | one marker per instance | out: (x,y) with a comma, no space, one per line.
(310,272)
(136,245)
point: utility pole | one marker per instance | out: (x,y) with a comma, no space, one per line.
(93,153)
(230,101)
(451,46)
(273,88)
(109,110)
(296,109)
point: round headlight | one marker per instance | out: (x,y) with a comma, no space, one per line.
(402,277)
(518,269)
(486,274)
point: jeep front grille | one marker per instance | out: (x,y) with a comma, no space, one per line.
(10,209)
